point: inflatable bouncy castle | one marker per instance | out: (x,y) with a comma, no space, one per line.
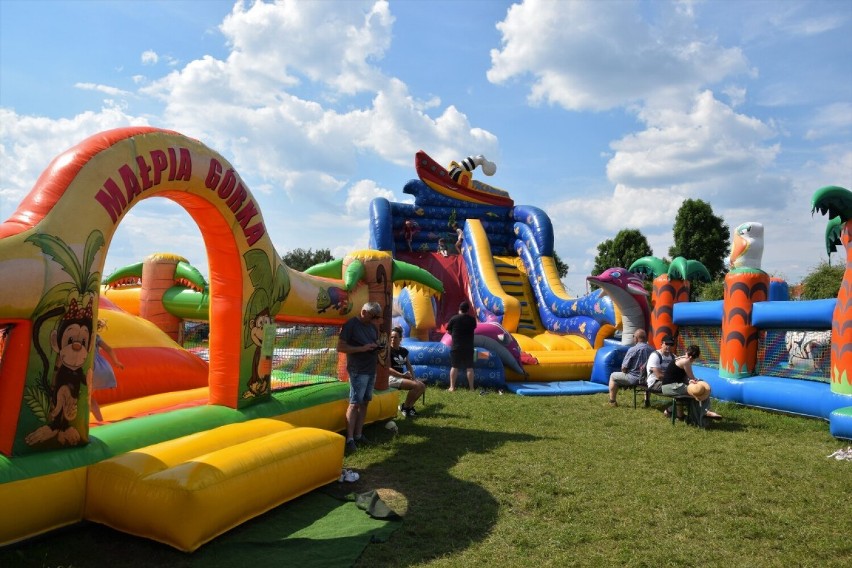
(194,420)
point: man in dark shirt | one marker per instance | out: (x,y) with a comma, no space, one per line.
(401,374)
(359,341)
(461,327)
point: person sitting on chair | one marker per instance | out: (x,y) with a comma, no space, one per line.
(402,374)
(633,366)
(678,380)
(658,362)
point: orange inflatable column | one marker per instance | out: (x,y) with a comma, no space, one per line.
(378,277)
(841,326)
(665,294)
(738,352)
(158,275)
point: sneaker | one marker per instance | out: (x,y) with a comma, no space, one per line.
(362,439)
(613,403)
(411,412)
(350,448)
(404,411)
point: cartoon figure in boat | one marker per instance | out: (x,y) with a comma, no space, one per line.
(461,172)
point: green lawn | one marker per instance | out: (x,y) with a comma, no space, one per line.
(504,480)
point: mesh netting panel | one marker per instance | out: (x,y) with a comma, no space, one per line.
(303,354)
(795,354)
(708,339)
(195,336)
(792,354)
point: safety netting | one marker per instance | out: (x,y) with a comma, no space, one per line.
(707,338)
(303,354)
(793,354)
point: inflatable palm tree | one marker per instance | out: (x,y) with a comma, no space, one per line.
(836,202)
(670,286)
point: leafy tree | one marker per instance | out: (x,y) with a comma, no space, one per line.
(822,282)
(628,246)
(708,291)
(561,267)
(701,235)
(301,259)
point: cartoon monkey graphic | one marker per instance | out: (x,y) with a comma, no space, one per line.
(261,368)
(71,341)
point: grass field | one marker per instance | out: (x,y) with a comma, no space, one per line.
(504,480)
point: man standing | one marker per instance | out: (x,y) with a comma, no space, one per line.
(633,366)
(359,341)
(461,327)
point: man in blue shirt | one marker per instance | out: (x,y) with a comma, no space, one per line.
(633,366)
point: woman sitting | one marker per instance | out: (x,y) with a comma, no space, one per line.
(678,380)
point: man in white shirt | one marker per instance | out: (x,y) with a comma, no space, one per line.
(658,361)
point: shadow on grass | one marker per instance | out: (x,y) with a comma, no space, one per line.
(461,512)
(446,521)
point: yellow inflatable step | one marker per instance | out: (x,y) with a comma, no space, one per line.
(186,491)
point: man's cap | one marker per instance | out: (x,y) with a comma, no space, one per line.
(668,340)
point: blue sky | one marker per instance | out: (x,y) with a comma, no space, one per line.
(605,114)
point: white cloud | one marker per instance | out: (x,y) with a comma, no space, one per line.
(361,194)
(796,20)
(112,91)
(710,149)
(736,95)
(150,57)
(830,120)
(601,55)
(29,143)
(283,41)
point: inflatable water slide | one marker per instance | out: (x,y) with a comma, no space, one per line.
(506,270)
(187,446)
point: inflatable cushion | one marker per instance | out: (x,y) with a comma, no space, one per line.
(187,491)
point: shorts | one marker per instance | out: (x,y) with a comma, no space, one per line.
(361,388)
(623,380)
(675,389)
(395,382)
(461,359)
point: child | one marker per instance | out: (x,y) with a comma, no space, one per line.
(459,237)
(103,377)
(442,247)
(411,227)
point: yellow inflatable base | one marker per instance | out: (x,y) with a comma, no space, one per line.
(41,504)
(573,365)
(186,491)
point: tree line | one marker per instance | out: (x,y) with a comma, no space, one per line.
(701,235)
